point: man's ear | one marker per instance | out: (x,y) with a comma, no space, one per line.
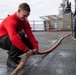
(19,10)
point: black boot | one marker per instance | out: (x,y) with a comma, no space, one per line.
(12,63)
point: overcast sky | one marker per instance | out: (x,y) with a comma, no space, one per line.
(38,7)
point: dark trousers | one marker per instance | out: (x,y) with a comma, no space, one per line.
(14,52)
(75,26)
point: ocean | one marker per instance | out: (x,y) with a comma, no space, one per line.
(35,25)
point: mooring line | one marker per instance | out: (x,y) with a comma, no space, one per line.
(25,58)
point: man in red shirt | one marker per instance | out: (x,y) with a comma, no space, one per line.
(12,35)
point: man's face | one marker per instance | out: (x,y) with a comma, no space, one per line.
(23,14)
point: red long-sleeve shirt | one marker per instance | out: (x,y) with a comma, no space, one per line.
(11,25)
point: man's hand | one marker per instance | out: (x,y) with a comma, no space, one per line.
(35,51)
(29,52)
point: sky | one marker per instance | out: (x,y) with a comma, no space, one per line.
(38,7)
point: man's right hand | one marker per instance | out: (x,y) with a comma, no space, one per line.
(30,52)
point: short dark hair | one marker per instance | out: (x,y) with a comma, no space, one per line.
(24,6)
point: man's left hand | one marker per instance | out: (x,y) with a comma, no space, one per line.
(35,51)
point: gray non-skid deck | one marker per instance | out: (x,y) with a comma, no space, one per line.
(61,61)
